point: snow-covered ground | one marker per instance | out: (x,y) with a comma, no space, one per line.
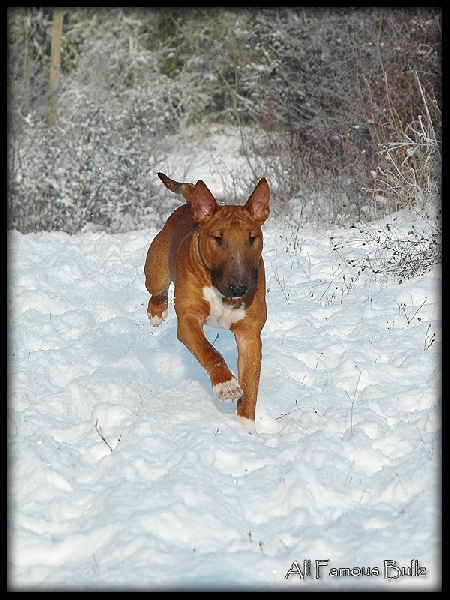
(124,471)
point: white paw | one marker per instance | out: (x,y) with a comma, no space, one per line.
(228,390)
(155,320)
(247,423)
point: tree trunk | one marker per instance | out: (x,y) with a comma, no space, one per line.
(55,62)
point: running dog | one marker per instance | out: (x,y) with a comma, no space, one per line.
(212,254)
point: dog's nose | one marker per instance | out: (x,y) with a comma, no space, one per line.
(238,290)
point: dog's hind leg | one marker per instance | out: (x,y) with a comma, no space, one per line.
(157,278)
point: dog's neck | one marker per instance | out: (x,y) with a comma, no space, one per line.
(200,253)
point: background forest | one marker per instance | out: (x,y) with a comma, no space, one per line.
(339,108)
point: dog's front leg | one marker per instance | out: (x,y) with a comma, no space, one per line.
(249,367)
(190,333)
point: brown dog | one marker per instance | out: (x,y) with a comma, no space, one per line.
(212,254)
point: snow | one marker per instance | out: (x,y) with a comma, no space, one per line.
(125,472)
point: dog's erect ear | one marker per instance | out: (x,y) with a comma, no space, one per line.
(203,202)
(259,202)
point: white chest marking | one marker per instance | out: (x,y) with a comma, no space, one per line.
(221,315)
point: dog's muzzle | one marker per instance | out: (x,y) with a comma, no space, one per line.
(238,290)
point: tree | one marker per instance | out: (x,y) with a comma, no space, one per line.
(55,63)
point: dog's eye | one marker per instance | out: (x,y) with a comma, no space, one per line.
(218,239)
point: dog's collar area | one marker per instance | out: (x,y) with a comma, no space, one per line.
(200,253)
(222,313)
(233,302)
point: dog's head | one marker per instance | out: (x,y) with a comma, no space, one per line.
(230,239)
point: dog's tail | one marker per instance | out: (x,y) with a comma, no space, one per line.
(185,189)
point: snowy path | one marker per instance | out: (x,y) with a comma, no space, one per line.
(124,470)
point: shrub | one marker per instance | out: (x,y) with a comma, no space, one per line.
(342,87)
(340,109)
(94,170)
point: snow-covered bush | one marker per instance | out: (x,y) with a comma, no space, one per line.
(408,173)
(342,85)
(323,99)
(94,170)
(385,248)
